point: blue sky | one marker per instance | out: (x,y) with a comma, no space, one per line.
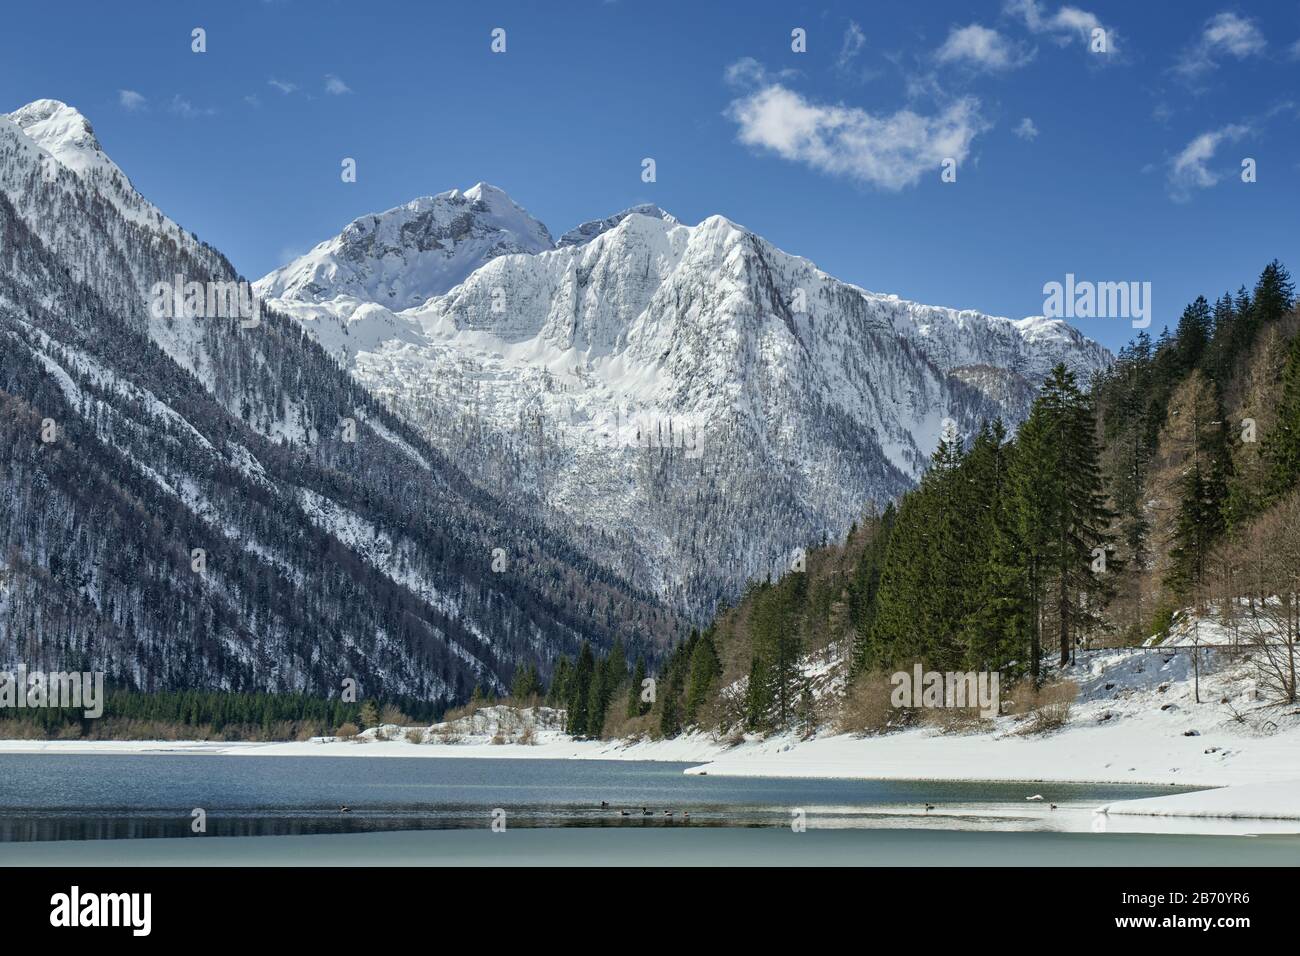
(1129,168)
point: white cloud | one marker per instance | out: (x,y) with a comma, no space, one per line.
(1294,52)
(854,41)
(891,152)
(748,73)
(1190,169)
(1234,34)
(1026,129)
(183,107)
(1225,34)
(1065,25)
(335,86)
(130,100)
(978,46)
(283,86)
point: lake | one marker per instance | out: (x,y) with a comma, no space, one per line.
(140,808)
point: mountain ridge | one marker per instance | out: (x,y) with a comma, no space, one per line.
(200,502)
(579,360)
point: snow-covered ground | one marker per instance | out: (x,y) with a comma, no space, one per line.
(1279,800)
(1136,721)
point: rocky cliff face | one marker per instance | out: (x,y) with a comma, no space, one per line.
(198,498)
(690,403)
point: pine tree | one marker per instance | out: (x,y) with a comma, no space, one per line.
(1085,564)
(669,692)
(899,627)
(526,683)
(1060,516)
(1193,335)
(705,669)
(1273,298)
(864,588)
(989,632)
(610,674)
(1035,484)
(560,679)
(579,700)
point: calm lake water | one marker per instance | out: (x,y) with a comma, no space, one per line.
(139,808)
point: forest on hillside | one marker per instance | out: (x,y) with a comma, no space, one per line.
(1166,486)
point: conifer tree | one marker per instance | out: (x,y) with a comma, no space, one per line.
(579,701)
(1193,335)
(1060,517)
(705,669)
(559,692)
(864,587)
(991,626)
(1085,565)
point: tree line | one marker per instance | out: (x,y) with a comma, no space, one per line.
(1112,506)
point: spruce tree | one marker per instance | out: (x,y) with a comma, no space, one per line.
(1059,513)
(705,669)
(1193,335)
(559,692)
(579,699)
(1085,565)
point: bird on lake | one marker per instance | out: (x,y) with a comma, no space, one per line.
(929,806)
(624,813)
(603,804)
(1037,796)
(645,812)
(345,809)
(1052,805)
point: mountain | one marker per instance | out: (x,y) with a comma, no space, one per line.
(403,256)
(198,496)
(690,404)
(587,231)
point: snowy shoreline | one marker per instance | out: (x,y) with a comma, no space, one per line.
(1136,721)
(1258,782)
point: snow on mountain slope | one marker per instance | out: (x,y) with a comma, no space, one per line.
(69,140)
(327,554)
(691,402)
(403,256)
(587,231)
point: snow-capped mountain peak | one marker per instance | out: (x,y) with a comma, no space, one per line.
(66,139)
(362,554)
(587,231)
(403,256)
(551,375)
(63,132)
